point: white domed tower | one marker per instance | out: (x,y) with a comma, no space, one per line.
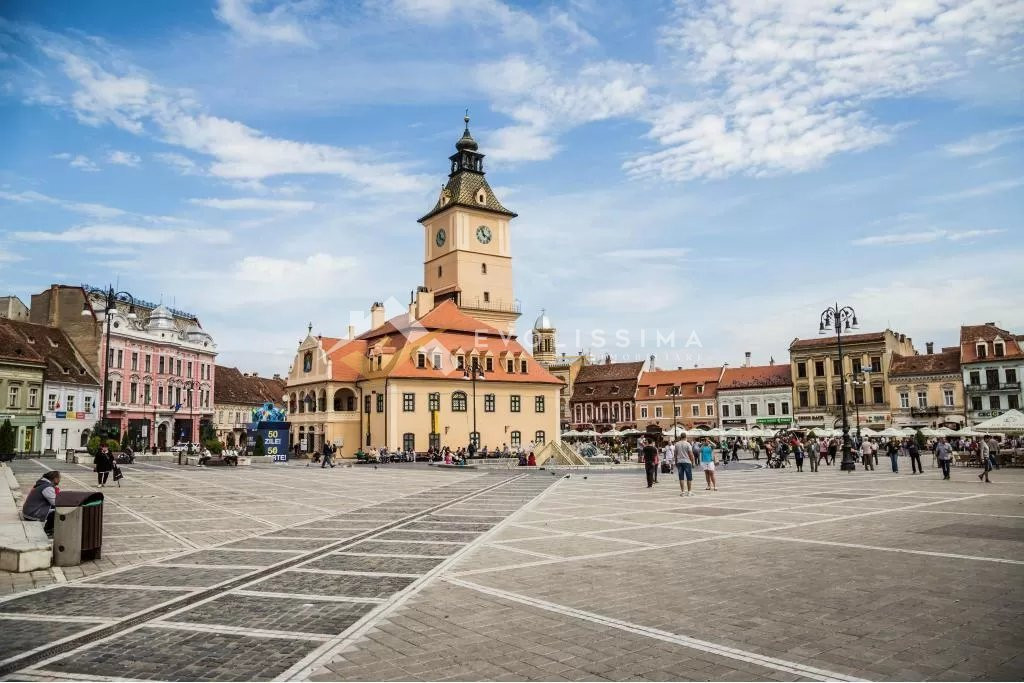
(544,339)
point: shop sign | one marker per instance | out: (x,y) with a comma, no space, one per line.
(775,420)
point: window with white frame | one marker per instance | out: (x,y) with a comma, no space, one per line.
(922,399)
(51,402)
(904,399)
(695,410)
(70,406)
(13,394)
(709,409)
(33,397)
(643,412)
(947,398)
(657,411)
(725,410)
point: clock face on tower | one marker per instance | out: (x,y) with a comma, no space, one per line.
(441,236)
(483,233)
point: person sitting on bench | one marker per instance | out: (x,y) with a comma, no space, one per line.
(42,500)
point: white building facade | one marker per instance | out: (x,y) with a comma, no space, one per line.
(992,362)
(70,412)
(756,397)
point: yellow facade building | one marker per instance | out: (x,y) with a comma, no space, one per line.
(448,371)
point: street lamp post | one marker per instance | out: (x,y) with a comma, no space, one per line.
(675,413)
(473,373)
(854,382)
(109,309)
(836,319)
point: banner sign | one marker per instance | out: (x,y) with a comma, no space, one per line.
(275,438)
(774,420)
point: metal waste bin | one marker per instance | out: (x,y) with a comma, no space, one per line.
(78,528)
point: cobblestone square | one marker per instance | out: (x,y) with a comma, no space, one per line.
(777,576)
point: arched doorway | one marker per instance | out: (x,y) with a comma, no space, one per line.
(161,436)
(84,440)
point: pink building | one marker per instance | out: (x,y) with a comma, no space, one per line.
(161,362)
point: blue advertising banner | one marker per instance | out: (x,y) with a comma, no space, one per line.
(275,438)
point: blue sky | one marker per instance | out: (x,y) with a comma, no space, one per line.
(722,168)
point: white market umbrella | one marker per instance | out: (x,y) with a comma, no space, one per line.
(589,432)
(929,432)
(737,432)
(570,433)
(631,432)
(1012,422)
(612,433)
(891,432)
(675,431)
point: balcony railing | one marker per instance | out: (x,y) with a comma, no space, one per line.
(930,411)
(993,386)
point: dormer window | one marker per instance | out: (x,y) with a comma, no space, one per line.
(481,196)
(460,362)
(510,366)
(650,391)
(522,366)
(437,361)
(999,349)
(982,348)
(700,388)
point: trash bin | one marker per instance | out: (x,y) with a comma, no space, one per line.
(78,528)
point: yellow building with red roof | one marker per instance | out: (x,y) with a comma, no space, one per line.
(449,370)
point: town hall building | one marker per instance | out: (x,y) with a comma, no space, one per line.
(449,371)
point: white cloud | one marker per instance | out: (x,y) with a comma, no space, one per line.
(512,24)
(782,85)
(239,152)
(126,234)
(254,204)
(123,158)
(544,103)
(983,143)
(652,254)
(922,237)
(9,257)
(278,25)
(179,162)
(89,209)
(994,187)
(79,161)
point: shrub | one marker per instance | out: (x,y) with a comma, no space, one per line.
(921,440)
(7,437)
(231,440)
(215,447)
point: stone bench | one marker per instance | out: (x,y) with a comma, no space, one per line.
(24,546)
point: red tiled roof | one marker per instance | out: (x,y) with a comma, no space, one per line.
(757,376)
(445,329)
(231,387)
(606,382)
(827,340)
(603,372)
(687,380)
(970,335)
(25,342)
(945,363)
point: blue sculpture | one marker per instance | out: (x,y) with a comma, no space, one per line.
(268,413)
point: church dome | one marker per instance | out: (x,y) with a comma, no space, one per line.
(160,319)
(196,334)
(543,322)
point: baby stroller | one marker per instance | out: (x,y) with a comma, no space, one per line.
(775,460)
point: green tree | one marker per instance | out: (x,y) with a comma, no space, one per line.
(214,446)
(93,445)
(7,437)
(921,440)
(124,440)
(231,440)
(260,449)
(206,431)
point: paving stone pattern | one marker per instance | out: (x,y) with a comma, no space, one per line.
(778,576)
(20,635)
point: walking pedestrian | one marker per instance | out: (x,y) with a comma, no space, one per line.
(915,458)
(328,455)
(650,455)
(863,450)
(986,462)
(944,454)
(684,463)
(103,465)
(814,450)
(798,456)
(830,454)
(893,449)
(707,463)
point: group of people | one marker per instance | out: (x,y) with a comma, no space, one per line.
(685,456)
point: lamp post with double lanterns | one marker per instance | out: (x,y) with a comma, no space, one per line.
(110,299)
(473,373)
(839,320)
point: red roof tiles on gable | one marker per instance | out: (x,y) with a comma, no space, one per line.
(688,381)
(945,363)
(605,372)
(26,342)
(970,335)
(827,340)
(232,387)
(757,376)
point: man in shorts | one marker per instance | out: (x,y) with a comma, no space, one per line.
(683,452)
(707,463)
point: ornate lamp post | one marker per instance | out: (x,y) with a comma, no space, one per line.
(473,373)
(109,309)
(837,319)
(675,412)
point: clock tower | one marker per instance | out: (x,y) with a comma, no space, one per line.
(467,256)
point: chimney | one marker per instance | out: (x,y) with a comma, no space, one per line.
(607,359)
(746,359)
(277,376)
(929,347)
(351,331)
(424,302)
(376,315)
